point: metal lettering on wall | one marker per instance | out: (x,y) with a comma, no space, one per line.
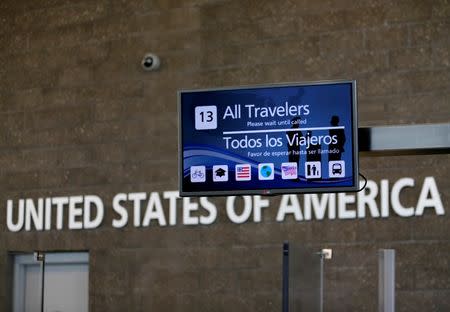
(142,209)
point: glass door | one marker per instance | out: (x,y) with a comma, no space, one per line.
(57,283)
(302,279)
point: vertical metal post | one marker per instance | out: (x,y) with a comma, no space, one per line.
(43,284)
(386,280)
(40,256)
(322,256)
(285,294)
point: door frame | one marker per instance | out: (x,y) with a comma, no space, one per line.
(21,261)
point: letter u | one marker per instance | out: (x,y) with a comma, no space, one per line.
(20,216)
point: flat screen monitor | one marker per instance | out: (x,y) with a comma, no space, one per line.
(272,139)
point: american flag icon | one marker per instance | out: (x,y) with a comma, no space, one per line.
(243,172)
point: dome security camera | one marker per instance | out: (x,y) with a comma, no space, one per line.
(150,62)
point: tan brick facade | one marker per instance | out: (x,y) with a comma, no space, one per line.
(78,115)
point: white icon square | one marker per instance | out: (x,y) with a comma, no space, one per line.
(220,173)
(266,171)
(198,174)
(243,172)
(205,117)
(289,171)
(313,170)
(336,169)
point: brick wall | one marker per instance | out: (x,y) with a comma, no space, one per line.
(79,116)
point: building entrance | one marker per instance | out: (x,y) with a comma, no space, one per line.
(58,285)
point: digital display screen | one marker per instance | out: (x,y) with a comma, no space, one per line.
(292,138)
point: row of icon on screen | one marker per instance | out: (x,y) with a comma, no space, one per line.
(266,171)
